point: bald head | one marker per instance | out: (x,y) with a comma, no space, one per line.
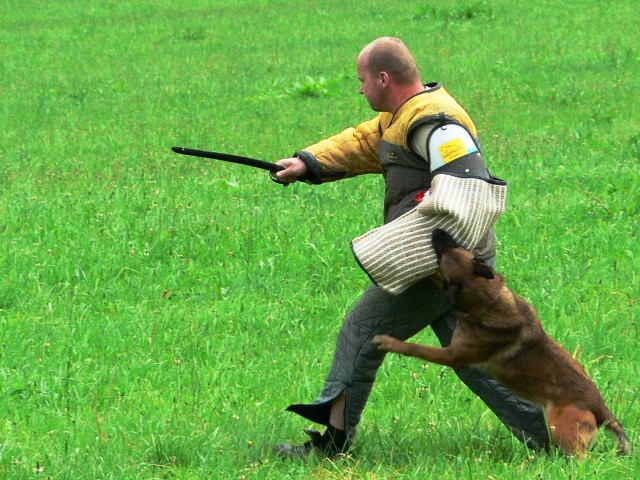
(391,55)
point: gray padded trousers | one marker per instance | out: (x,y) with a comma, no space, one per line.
(356,361)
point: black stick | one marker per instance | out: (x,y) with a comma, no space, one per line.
(252,162)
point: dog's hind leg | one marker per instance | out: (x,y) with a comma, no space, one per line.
(572,429)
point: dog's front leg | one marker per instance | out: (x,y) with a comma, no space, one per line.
(443,356)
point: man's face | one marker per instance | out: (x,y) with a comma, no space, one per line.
(370,85)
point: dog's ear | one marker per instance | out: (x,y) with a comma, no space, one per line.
(482,269)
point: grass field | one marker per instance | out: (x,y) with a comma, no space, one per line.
(158,313)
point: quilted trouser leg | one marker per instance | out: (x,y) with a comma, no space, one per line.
(356,359)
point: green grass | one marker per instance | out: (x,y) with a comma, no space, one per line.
(158,313)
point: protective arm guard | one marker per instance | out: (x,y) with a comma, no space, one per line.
(449,148)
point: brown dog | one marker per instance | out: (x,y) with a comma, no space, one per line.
(499,333)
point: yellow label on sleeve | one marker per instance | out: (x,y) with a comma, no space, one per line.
(452,150)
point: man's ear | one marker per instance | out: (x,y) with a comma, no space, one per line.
(482,269)
(384,78)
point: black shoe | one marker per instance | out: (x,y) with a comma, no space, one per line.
(287,451)
(329,445)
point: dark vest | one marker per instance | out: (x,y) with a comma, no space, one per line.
(406,176)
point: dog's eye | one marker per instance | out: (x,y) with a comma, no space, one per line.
(453,292)
(445,283)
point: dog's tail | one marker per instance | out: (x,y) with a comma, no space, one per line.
(613,425)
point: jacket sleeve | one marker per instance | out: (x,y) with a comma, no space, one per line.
(354,151)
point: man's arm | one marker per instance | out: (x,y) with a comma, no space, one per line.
(354,151)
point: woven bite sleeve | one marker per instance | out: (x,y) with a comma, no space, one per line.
(398,254)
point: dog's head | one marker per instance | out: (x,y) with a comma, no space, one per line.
(468,280)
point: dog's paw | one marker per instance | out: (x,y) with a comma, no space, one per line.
(384,342)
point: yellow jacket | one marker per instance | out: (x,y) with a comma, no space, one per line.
(356,150)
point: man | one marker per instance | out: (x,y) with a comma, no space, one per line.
(396,144)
